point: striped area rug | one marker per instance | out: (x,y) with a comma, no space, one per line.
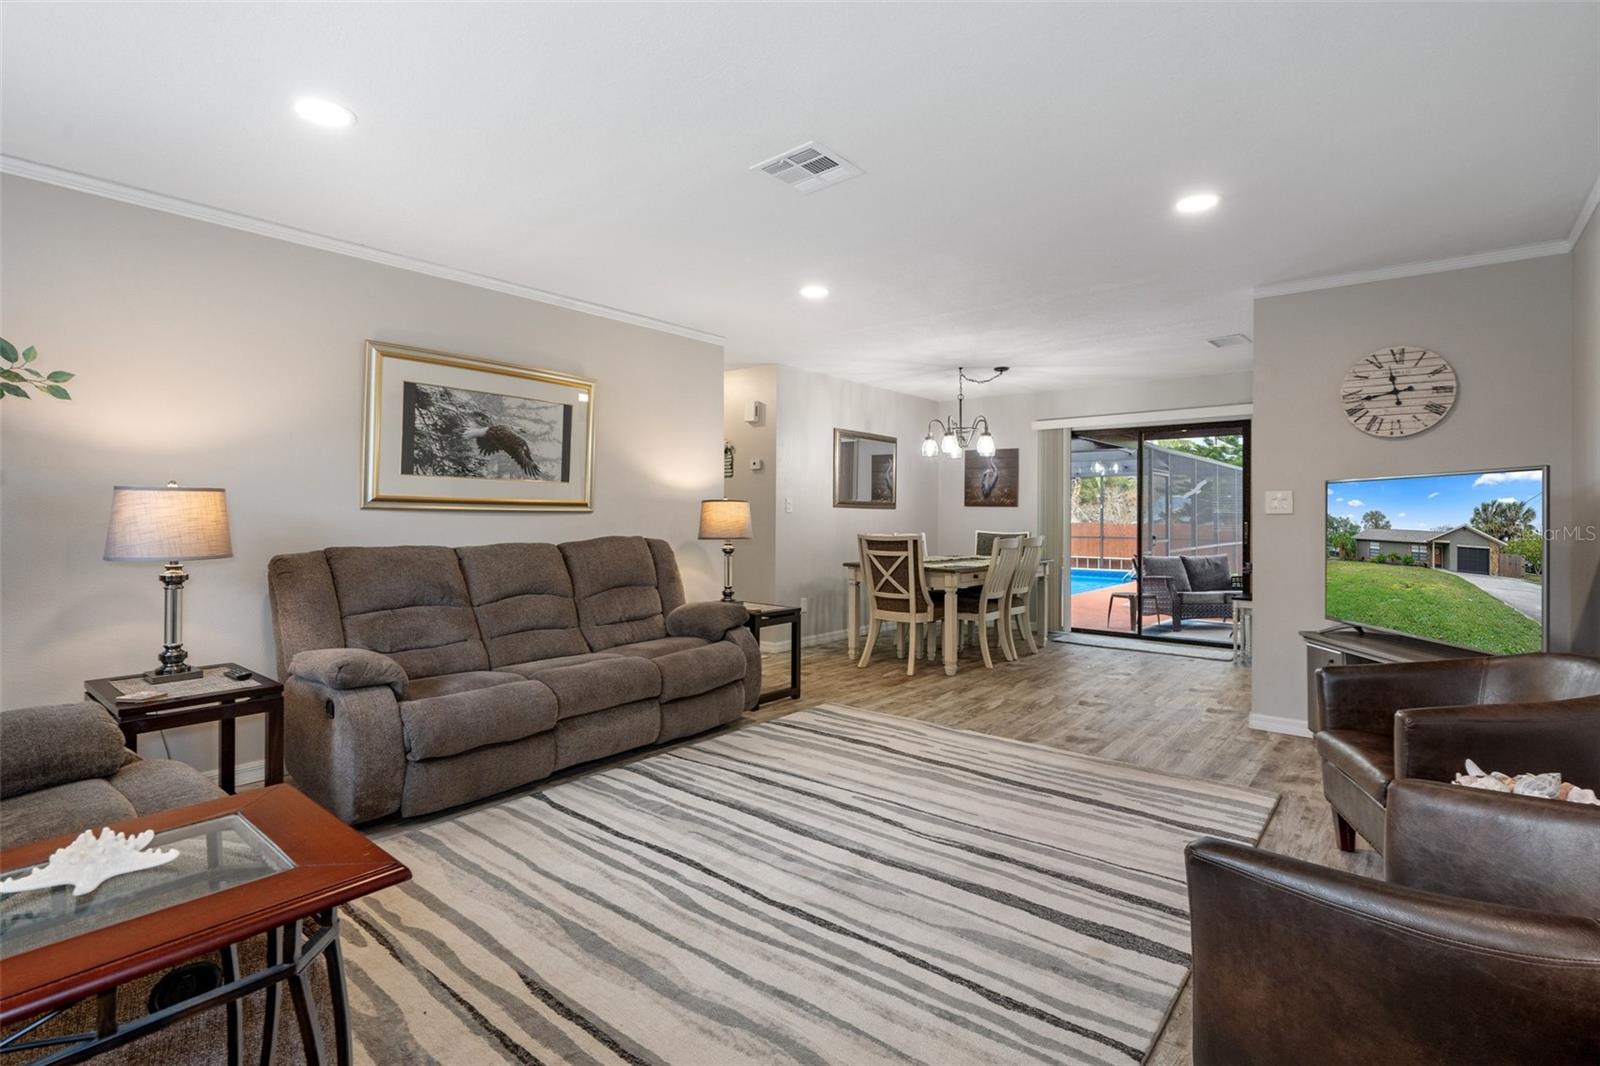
(835,886)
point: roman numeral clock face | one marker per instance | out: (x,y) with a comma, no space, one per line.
(1398,392)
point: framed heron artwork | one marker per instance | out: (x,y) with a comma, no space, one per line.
(990,481)
(455,432)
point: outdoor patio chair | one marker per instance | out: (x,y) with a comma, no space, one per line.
(1191,587)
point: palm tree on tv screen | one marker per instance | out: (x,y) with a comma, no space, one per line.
(1503,519)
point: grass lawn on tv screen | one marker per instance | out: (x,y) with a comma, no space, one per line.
(1433,604)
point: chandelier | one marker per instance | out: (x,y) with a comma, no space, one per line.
(949,436)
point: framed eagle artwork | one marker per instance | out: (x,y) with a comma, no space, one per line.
(455,432)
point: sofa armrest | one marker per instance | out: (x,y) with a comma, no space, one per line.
(1521,851)
(41,747)
(1294,962)
(1366,697)
(708,620)
(345,748)
(349,668)
(1434,743)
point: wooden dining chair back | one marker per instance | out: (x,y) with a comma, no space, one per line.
(897,588)
(989,602)
(983,540)
(1023,578)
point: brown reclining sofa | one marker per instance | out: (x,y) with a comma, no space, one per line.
(418,678)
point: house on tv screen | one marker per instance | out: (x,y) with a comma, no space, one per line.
(1463,550)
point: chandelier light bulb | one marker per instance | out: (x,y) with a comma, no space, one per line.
(930,447)
(985,444)
(950,446)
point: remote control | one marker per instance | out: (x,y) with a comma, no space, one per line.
(237,673)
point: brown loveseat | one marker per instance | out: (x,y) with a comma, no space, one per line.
(419,678)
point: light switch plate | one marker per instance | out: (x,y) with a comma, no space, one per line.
(788,505)
(1280,501)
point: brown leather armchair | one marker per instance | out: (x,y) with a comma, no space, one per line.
(1484,945)
(1515,713)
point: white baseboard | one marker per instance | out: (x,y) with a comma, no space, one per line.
(1271,723)
(811,641)
(252,774)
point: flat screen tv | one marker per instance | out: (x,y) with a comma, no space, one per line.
(1453,558)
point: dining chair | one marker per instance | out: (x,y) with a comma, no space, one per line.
(897,590)
(1021,596)
(988,603)
(983,540)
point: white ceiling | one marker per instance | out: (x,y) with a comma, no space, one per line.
(1021,160)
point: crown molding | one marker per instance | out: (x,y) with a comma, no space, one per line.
(1412,270)
(128,194)
(1584,215)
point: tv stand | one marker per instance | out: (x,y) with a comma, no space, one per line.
(1351,645)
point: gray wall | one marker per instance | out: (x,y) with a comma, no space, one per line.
(220,358)
(1507,330)
(754,560)
(815,538)
(1586,431)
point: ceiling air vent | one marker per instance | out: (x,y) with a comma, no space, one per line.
(809,167)
(1232,340)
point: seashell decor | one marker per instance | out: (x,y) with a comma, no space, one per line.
(90,861)
(1545,786)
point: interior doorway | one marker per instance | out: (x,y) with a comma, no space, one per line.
(1159,525)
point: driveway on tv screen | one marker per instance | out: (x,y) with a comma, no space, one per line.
(1525,596)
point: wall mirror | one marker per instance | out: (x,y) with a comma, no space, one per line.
(863,469)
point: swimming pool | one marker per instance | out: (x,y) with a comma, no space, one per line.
(1086,580)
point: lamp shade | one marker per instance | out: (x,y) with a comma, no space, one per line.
(724,519)
(157,524)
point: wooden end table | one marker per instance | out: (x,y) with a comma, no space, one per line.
(258,863)
(763,615)
(211,698)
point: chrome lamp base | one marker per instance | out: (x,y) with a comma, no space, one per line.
(174,660)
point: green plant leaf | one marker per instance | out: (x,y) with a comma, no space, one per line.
(58,392)
(11,375)
(59,376)
(32,372)
(8,351)
(8,389)
(29,354)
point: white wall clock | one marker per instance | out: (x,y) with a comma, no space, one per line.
(1398,392)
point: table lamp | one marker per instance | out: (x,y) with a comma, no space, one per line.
(727,521)
(152,524)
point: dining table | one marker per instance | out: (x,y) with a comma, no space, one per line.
(947,575)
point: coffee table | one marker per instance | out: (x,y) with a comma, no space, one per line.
(261,862)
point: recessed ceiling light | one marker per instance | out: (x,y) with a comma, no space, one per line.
(814,292)
(324,113)
(1197,203)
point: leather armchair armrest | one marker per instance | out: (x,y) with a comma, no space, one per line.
(1366,698)
(708,620)
(1519,851)
(1434,743)
(1300,963)
(349,668)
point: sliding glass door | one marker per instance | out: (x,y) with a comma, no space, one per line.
(1160,530)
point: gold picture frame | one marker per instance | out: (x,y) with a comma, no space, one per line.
(447,432)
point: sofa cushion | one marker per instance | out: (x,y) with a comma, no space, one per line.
(474,717)
(450,684)
(601,684)
(650,649)
(155,785)
(615,583)
(539,666)
(1367,759)
(707,620)
(68,808)
(58,743)
(1208,573)
(411,604)
(522,596)
(1168,566)
(695,670)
